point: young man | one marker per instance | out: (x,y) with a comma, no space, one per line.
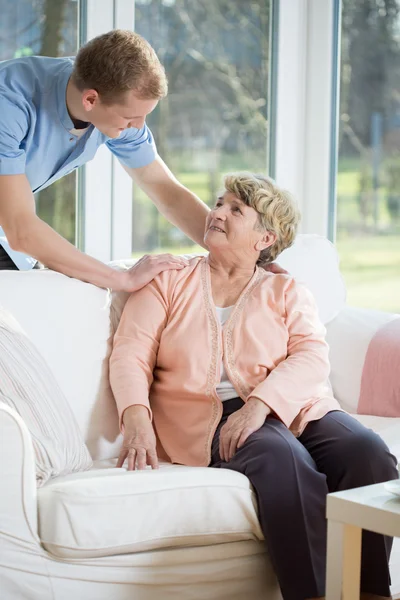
(54,114)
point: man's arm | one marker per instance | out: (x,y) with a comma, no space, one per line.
(179,205)
(27,233)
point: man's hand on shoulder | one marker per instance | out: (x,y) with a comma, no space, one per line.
(148,267)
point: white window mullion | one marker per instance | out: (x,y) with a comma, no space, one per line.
(121,217)
(305,106)
(97,180)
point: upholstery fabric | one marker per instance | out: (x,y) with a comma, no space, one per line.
(380,382)
(348,337)
(28,386)
(137,511)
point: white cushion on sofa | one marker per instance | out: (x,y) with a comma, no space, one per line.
(69,323)
(313,260)
(348,336)
(28,386)
(113,511)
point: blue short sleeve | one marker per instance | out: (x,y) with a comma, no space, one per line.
(13,128)
(134,147)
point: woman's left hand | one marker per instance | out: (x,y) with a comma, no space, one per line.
(240,425)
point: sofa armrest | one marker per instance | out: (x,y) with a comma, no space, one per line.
(18,498)
(349,336)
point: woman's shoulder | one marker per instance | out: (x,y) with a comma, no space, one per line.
(277,281)
(283,285)
(173,277)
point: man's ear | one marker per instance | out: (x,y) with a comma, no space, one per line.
(89,99)
(266,241)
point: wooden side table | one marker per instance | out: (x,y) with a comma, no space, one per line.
(371,507)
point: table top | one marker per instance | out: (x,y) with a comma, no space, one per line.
(372,507)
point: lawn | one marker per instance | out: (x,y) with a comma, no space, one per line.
(371,269)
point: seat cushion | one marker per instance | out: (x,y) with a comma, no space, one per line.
(110,511)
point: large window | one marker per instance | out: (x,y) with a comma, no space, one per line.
(215,117)
(368,184)
(48,28)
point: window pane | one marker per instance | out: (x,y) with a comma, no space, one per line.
(48,28)
(215,117)
(368,185)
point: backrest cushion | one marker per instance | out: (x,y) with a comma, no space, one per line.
(28,386)
(69,322)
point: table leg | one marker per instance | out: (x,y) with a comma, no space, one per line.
(343,566)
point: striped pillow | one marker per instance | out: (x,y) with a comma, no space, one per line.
(28,386)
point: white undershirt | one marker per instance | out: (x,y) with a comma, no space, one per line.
(79,132)
(225,389)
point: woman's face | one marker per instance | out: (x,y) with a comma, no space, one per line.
(232,224)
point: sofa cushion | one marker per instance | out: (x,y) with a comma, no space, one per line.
(28,386)
(349,336)
(69,323)
(113,511)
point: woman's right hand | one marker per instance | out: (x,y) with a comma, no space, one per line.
(139,443)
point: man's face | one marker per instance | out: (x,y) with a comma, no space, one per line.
(113,119)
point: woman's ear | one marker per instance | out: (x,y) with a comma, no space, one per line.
(266,241)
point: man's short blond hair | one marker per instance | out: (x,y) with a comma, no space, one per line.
(277,210)
(118,61)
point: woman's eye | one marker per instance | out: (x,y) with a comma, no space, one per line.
(237,209)
(218,204)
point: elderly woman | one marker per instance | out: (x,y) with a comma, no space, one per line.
(223,363)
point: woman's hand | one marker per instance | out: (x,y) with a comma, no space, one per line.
(148,267)
(240,425)
(139,439)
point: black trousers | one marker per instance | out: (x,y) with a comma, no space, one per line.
(292,476)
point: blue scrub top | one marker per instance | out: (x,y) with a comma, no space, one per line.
(35,127)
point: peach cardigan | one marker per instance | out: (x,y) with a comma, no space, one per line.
(169,346)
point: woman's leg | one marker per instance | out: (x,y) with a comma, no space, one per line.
(291,497)
(350,455)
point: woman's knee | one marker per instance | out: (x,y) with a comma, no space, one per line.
(273,448)
(366,453)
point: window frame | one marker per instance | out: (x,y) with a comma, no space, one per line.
(304,91)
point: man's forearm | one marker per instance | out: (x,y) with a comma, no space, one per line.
(43,243)
(184,210)
(175,202)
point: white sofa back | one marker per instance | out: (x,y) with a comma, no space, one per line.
(69,321)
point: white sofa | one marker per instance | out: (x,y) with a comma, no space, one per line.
(179,533)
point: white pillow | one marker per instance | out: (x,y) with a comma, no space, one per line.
(313,260)
(28,386)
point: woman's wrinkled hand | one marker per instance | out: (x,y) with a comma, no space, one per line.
(240,425)
(139,443)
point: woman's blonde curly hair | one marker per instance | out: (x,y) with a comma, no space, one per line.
(277,210)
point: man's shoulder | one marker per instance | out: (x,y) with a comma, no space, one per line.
(22,76)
